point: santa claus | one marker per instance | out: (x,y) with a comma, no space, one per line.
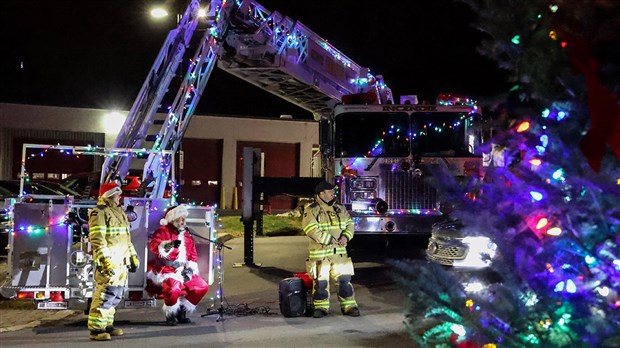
(173,272)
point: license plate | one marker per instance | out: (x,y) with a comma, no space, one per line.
(140,303)
(52,305)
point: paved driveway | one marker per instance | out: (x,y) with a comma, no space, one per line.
(252,317)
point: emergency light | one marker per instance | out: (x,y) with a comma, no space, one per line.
(454,99)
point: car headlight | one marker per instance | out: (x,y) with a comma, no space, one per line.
(481,251)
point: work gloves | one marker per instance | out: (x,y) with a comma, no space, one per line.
(105,267)
(174,264)
(173,244)
(187,274)
(134,263)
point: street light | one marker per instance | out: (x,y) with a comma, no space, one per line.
(112,122)
(159,12)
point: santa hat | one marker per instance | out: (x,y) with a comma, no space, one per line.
(108,189)
(173,213)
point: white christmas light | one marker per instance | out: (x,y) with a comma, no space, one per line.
(458,329)
(604,291)
(473,287)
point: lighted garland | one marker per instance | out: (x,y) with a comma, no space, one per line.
(37,229)
(393,131)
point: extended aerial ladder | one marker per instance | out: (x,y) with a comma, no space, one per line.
(267,49)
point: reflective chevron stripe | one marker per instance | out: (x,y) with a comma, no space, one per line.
(321,304)
(346,304)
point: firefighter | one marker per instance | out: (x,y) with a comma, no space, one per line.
(330,228)
(174,270)
(114,255)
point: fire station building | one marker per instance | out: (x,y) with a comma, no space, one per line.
(209,165)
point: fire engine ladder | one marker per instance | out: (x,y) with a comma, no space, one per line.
(155,86)
(285,58)
(158,165)
(141,115)
(269,50)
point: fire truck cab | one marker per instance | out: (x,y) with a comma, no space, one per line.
(381,157)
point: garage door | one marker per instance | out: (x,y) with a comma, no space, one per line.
(200,175)
(281,160)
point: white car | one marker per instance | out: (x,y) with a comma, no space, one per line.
(448,246)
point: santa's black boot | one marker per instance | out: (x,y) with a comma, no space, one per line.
(182,316)
(171,319)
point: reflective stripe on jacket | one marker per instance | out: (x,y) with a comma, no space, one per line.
(325,224)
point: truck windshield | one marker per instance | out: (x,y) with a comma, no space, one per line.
(439,134)
(396,134)
(372,134)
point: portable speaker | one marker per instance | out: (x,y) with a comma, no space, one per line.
(292,297)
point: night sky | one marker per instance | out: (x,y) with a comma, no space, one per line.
(97,53)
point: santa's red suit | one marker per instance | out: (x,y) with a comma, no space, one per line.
(174,269)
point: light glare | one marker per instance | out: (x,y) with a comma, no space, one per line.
(159,12)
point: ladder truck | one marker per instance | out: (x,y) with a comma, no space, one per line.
(49,258)
(378,153)
(380,183)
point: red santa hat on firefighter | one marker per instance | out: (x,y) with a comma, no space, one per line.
(109,189)
(173,213)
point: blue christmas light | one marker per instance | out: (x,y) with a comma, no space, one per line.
(558,174)
(562,115)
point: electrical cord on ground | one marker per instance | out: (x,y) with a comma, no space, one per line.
(244,309)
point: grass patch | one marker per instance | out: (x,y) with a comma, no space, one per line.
(272,226)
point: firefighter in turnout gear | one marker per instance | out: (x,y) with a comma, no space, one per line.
(114,255)
(330,228)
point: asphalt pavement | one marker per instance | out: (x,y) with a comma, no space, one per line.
(251,316)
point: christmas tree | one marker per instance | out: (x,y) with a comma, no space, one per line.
(549,198)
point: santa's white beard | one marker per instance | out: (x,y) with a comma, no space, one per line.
(180,227)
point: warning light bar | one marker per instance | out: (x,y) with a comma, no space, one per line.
(455,99)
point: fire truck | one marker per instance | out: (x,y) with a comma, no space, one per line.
(376,151)
(381,157)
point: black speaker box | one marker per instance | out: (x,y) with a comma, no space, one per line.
(292,297)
